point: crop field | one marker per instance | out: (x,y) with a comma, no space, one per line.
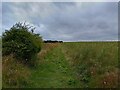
(67,65)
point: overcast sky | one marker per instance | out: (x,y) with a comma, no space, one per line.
(67,21)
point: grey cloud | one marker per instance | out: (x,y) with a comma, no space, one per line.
(67,21)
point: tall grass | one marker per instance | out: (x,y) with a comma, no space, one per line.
(96,63)
(14,73)
(17,74)
(0,62)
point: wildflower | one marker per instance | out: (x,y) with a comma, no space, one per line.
(105,82)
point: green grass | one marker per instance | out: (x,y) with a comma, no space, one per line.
(54,72)
(95,62)
(75,65)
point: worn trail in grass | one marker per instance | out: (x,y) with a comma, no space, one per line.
(54,71)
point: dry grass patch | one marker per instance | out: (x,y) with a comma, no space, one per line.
(14,73)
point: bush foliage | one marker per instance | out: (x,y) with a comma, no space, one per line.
(21,42)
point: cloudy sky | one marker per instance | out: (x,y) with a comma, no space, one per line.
(67,21)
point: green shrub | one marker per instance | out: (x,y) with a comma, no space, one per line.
(20,42)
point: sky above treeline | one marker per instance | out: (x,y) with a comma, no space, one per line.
(66,21)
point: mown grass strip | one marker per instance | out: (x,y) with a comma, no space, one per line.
(54,72)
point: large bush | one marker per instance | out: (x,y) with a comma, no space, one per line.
(21,42)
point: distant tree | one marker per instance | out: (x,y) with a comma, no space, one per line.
(32,30)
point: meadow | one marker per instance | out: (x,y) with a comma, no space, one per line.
(66,65)
(96,63)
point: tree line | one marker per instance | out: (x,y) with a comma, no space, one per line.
(52,41)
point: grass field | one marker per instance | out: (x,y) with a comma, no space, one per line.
(69,65)
(96,63)
(0,63)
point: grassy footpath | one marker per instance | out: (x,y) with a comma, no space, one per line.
(54,71)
